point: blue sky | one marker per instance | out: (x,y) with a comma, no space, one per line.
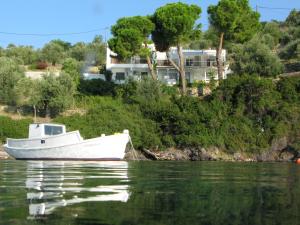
(72,16)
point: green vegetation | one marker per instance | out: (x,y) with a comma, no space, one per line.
(13,128)
(232,20)
(255,57)
(244,113)
(10,74)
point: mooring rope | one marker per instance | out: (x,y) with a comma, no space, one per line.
(135,157)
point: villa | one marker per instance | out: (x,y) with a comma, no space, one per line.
(200,65)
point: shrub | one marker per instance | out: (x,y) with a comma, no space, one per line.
(13,128)
(107,115)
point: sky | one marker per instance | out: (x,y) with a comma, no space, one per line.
(80,20)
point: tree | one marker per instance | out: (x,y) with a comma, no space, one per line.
(97,49)
(270,34)
(24,54)
(66,45)
(131,38)
(10,74)
(175,25)
(73,68)
(257,58)
(290,42)
(78,51)
(53,52)
(54,94)
(294,18)
(233,20)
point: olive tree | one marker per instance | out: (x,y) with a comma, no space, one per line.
(53,52)
(131,37)
(10,74)
(255,57)
(175,25)
(233,20)
(54,94)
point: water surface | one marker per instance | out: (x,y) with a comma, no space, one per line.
(46,192)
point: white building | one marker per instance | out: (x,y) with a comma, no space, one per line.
(200,65)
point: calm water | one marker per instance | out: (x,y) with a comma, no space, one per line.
(38,192)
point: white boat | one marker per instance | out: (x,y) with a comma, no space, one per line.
(52,142)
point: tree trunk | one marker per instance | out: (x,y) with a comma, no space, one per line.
(219,57)
(181,70)
(150,66)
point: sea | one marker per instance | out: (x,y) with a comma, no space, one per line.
(149,192)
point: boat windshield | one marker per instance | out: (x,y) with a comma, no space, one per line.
(53,130)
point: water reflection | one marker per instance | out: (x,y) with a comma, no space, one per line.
(52,185)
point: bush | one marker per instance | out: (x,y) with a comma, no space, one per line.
(255,58)
(97,87)
(107,115)
(13,128)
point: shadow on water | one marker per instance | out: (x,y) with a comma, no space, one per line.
(46,192)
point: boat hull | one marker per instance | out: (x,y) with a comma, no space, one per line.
(111,147)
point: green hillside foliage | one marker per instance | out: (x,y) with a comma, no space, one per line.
(245,113)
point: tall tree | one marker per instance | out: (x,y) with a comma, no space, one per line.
(175,25)
(233,20)
(10,74)
(131,38)
(97,49)
(53,52)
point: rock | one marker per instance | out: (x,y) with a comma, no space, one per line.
(173,155)
(238,157)
(3,154)
(274,153)
(134,155)
(278,144)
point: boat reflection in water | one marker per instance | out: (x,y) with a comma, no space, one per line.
(52,185)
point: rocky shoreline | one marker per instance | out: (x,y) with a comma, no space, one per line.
(215,154)
(279,151)
(3,154)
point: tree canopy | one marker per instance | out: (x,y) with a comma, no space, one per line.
(255,57)
(130,34)
(53,52)
(234,18)
(131,37)
(175,24)
(10,74)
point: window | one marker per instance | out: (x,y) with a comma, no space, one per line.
(173,74)
(53,130)
(189,62)
(144,74)
(120,76)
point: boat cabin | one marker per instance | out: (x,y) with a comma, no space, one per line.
(40,130)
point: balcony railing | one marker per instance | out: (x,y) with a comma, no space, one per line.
(190,63)
(129,61)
